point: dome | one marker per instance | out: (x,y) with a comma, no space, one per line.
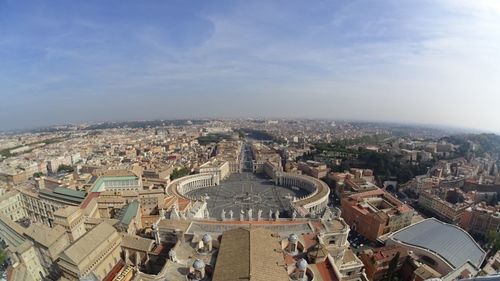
(293,238)
(171,253)
(301,264)
(198,264)
(206,238)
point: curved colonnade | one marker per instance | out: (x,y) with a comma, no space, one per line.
(317,199)
(313,203)
(181,186)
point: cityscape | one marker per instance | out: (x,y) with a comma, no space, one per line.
(203,199)
(249,140)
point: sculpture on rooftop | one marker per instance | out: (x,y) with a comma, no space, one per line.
(223,215)
(156,233)
(172,255)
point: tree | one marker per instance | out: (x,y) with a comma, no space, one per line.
(493,201)
(390,275)
(3,259)
(493,239)
(3,256)
(65,169)
(178,173)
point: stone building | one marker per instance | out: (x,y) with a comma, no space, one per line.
(71,219)
(96,252)
(375,213)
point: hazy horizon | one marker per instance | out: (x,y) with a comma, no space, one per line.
(444,128)
(415,62)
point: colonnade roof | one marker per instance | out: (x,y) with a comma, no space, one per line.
(322,189)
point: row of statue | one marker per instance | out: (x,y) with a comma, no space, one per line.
(249,215)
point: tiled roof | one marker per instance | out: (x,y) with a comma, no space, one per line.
(45,235)
(250,254)
(87,244)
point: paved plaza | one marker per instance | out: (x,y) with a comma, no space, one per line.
(240,192)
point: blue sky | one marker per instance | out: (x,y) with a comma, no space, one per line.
(431,62)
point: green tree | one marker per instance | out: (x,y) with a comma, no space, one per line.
(390,275)
(493,239)
(179,173)
(65,169)
(3,256)
(3,259)
(493,201)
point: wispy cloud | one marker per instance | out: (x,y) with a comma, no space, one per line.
(417,61)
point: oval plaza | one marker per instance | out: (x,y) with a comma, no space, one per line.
(240,194)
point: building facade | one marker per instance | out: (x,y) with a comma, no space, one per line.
(375,213)
(97,252)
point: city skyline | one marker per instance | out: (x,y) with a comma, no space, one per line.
(425,62)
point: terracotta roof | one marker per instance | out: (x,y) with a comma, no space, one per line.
(326,271)
(370,193)
(114,271)
(89,198)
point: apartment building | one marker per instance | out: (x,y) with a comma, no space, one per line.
(375,213)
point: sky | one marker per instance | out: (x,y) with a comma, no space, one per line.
(424,62)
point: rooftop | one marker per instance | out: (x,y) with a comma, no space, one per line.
(45,235)
(100,184)
(450,242)
(66,211)
(88,243)
(64,194)
(129,212)
(137,243)
(250,254)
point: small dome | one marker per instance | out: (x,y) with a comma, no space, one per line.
(171,253)
(206,238)
(293,238)
(301,264)
(198,264)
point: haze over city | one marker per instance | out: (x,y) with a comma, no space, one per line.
(430,62)
(266,140)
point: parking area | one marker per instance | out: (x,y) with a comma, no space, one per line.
(360,243)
